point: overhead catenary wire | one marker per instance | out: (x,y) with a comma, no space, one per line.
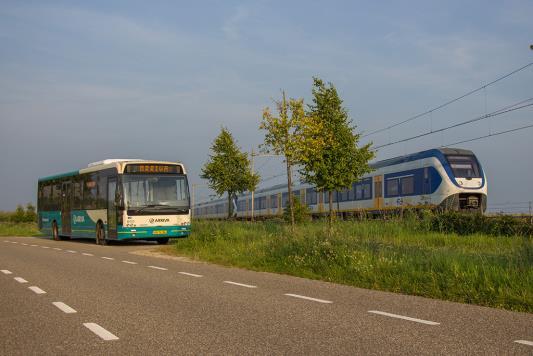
(498,112)
(489,135)
(448,102)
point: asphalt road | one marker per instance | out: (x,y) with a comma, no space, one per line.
(124,302)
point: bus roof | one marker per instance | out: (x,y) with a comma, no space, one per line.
(106,163)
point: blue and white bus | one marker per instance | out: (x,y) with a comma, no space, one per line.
(117,199)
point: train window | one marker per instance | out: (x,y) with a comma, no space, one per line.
(344,194)
(274,201)
(464,166)
(367,191)
(310,196)
(260,203)
(392,187)
(408,185)
(358,192)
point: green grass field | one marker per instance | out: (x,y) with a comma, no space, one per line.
(18,229)
(396,256)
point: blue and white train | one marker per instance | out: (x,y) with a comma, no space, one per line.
(445,178)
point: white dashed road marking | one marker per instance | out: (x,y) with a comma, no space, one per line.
(191,274)
(427,322)
(309,298)
(37,290)
(34,245)
(524,342)
(5,271)
(100,331)
(24,244)
(240,284)
(130,262)
(71,251)
(160,268)
(6,241)
(45,247)
(20,280)
(64,308)
(108,258)
(87,254)
(57,248)
(14,242)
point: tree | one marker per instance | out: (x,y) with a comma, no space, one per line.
(228,169)
(329,153)
(281,137)
(19,215)
(30,215)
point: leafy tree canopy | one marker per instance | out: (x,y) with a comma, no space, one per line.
(228,169)
(331,158)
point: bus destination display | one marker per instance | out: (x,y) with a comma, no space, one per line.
(153,168)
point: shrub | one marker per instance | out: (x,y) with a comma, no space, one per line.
(467,224)
(20,215)
(301,212)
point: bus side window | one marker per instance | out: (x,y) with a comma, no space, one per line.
(77,204)
(56,197)
(89,192)
(102,192)
(47,192)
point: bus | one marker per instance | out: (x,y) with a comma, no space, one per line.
(116,199)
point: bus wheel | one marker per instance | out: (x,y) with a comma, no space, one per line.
(100,235)
(162,241)
(55,232)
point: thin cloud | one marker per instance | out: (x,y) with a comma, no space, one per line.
(231,27)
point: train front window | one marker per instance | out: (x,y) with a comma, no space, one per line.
(155,193)
(464,166)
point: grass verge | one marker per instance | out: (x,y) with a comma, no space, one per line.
(396,256)
(18,229)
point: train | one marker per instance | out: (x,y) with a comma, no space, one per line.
(439,178)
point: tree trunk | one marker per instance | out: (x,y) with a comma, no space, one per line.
(330,194)
(289,189)
(229,206)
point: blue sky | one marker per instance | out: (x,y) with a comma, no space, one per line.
(83,81)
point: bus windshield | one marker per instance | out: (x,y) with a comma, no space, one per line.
(464,166)
(155,193)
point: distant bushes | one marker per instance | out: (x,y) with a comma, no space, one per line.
(20,215)
(467,224)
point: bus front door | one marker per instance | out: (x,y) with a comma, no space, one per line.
(111,208)
(66,206)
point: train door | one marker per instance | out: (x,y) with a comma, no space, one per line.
(378,192)
(111,207)
(66,207)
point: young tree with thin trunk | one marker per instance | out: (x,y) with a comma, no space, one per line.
(331,159)
(228,169)
(281,136)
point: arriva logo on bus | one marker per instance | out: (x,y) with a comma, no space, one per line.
(152,220)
